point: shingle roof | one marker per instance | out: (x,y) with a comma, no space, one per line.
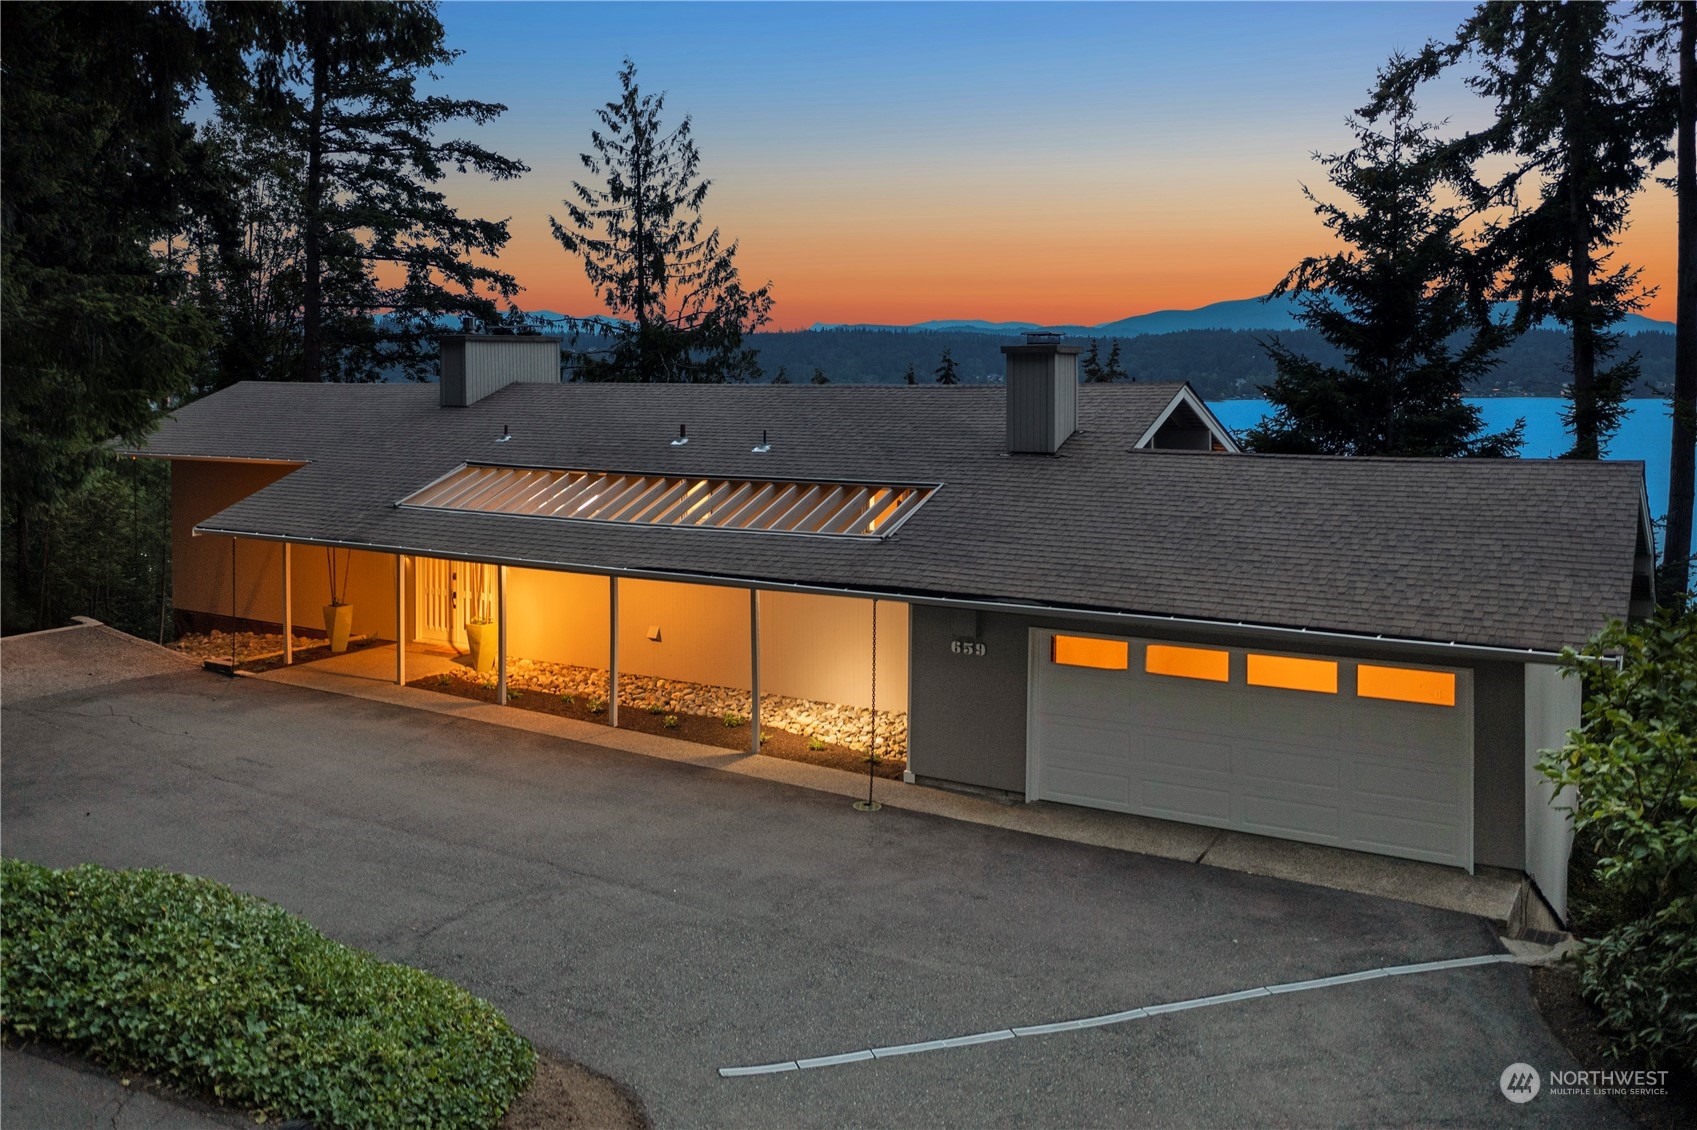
(1503,553)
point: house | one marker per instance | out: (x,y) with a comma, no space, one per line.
(1081,594)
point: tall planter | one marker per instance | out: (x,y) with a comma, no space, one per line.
(484,641)
(338,622)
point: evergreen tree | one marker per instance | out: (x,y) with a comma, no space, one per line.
(100,331)
(783,377)
(339,155)
(911,377)
(946,374)
(1391,303)
(1577,118)
(819,377)
(1114,370)
(647,253)
(1091,366)
(1672,36)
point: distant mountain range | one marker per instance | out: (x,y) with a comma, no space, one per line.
(1238,314)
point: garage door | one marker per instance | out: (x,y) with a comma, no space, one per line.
(1369,756)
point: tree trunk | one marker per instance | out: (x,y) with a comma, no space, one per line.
(1584,389)
(312,322)
(1682,465)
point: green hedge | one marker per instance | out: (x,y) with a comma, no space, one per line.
(225,994)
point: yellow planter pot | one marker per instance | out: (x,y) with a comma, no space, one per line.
(338,621)
(483,641)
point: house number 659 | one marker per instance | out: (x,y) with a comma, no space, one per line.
(966,647)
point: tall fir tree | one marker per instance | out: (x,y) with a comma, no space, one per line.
(783,377)
(946,373)
(329,110)
(819,377)
(648,254)
(910,377)
(1580,125)
(1114,370)
(1392,301)
(1091,365)
(1669,45)
(101,333)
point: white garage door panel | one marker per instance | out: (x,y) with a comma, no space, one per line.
(1366,774)
(1180,750)
(1192,803)
(1099,790)
(1286,766)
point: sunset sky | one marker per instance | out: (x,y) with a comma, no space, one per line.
(1059,163)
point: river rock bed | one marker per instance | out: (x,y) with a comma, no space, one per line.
(249,645)
(828,721)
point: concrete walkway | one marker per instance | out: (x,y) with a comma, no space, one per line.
(1490,894)
(43,1091)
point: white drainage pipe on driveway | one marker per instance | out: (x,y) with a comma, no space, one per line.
(1114,1017)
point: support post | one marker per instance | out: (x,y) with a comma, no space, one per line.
(754,669)
(613,651)
(288,605)
(501,635)
(400,621)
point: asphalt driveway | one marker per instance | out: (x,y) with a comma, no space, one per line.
(658,921)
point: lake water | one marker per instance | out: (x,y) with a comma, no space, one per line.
(1644,436)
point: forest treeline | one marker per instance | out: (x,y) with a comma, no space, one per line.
(1219,364)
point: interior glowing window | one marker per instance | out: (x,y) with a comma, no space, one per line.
(1293,674)
(1188,662)
(1405,684)
(1082,651)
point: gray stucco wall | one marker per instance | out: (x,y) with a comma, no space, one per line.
(967,714)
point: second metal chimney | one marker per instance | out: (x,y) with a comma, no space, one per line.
(1042,394)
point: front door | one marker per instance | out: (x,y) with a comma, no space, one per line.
(449,594)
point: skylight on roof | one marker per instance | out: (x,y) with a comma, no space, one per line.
(864,510)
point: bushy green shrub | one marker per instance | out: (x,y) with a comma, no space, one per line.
(1633,764)
(1643,975)
(225,994)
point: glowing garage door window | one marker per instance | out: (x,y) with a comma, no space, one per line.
(1404,684)
(1293,674)
(1188,662)
(1083,651)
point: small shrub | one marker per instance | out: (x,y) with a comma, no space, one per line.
(765,737)
(814,743)
(513,692)
(568,700)
(670,721)
(656,708)
(733,720)
(228,995)
(595,705)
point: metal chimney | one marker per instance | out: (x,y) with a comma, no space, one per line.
(476,365)
(1042,393)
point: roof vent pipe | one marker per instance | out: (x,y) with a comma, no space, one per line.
(683,437)
(1041,394)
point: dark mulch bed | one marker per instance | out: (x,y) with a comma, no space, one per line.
(568,1096)
(696,728)
(308,654)
(1576,1022)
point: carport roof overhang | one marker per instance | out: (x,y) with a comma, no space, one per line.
(1454,649)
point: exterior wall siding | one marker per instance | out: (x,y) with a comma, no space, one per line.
(967,721)
(200,566)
